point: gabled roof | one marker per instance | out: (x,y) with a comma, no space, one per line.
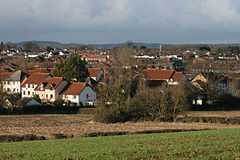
(93,72)
(158,74)
(51,83)
(75,88)
(40,70)
(4,75)
(36,78)
(11,76)
(162,74)
(200,77)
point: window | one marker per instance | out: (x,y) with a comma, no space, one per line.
(51,96)
(8,82)
(23,92)
(8,89)
(87,96)
(74,97)
(46,95)
(29,93)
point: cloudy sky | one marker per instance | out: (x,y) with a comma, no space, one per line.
(112,21)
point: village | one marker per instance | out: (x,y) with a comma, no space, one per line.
(27,77)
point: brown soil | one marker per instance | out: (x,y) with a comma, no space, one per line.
(31,127)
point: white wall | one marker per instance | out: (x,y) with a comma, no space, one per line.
(12,86)
(86,96)
(28,90)
(46,94)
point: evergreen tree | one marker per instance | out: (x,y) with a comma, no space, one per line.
(73,68)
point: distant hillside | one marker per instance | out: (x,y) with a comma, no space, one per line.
(53,44)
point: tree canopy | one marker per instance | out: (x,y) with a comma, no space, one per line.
(73,68)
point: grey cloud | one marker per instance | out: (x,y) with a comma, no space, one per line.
(120,20)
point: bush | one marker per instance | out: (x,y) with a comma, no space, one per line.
(58,103)
(150,105)
(110,114)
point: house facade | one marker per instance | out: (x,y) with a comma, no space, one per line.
(50,89)
(11,81)
(30,84)
(79,94)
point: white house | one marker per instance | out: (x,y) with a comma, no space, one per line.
(50,89)
(30,84)
(79,94)
(11,81)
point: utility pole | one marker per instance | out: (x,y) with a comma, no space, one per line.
(159,54)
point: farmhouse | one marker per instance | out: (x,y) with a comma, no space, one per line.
(49,90)
(29,85)
(96,74)
(158,77)
(79,94)
(11,81)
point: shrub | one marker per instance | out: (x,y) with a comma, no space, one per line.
(110,114)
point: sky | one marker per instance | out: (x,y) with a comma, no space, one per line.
(114,21)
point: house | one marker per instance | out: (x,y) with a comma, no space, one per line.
(199,81)
(49,90)
(96,74)
(11,81)
(160,77)
(95,58)
(29,85)
(79,94)
(199,100)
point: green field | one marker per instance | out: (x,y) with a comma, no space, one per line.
(220,144)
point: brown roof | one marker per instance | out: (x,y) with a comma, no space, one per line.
(162,74)
(40,70)
(93,72)
(75,88)
(51,82)
(36,78)
(4,75)
(158,74)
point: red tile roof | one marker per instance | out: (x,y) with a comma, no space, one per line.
(75,88)
(162,74)
(40,70)
(55,80)
(36,78)
(4,75)
(93,72)
(52,82)
(158,74)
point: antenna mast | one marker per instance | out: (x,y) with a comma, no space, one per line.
(159,55)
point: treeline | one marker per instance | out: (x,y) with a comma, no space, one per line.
(126,98)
